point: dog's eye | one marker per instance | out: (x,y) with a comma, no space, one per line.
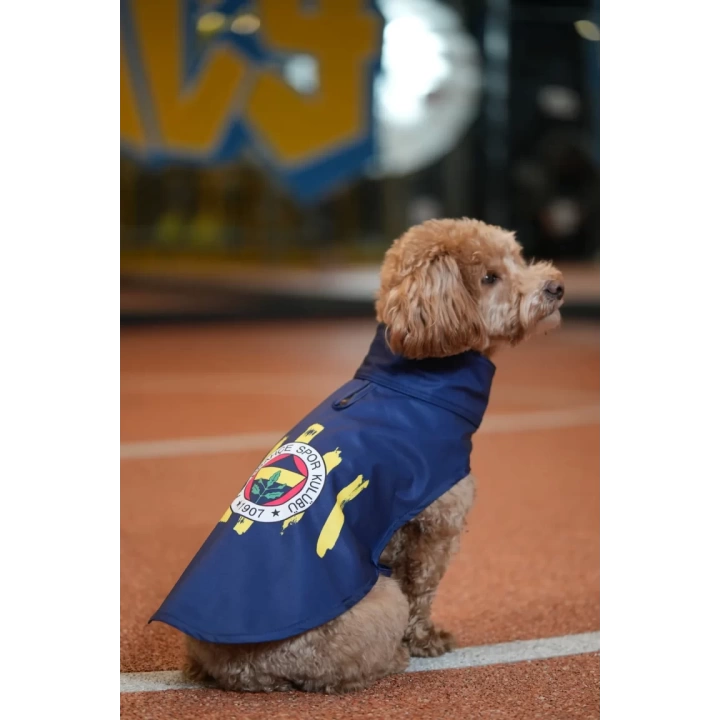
(490,279)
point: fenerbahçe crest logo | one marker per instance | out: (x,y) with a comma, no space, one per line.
(286,483)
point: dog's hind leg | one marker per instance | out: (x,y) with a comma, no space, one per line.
(193,669)
(419,554)
(349,653)
(361,646)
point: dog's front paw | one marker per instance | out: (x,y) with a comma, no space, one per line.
(429,641)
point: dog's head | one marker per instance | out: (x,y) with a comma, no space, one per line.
(447,286)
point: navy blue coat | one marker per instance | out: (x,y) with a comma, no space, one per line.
(301,543)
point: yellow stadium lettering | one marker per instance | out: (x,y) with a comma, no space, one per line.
(190,120)
(131,129)
(342,36)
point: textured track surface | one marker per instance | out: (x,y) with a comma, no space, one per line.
(545,690)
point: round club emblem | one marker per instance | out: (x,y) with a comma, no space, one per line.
(287,483)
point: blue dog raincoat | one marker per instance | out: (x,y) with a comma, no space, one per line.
(301,542)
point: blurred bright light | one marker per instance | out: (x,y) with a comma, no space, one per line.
(588,30)
(428,90)
(245,24)
(413,66)
(560,102)
(562,217)
(302,73)
(210,23)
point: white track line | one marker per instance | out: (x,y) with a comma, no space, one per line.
(230,383)
(216,444)
(302,385)
(210,445)
(511,652)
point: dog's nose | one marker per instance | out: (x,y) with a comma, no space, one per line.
(555,290)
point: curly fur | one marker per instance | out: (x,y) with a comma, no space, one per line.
(434,303)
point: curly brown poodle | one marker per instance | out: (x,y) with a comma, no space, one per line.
(447,286)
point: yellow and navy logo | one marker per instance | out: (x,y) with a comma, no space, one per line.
(287,483)
(202,81)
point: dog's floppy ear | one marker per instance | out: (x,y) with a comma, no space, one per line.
(430,312)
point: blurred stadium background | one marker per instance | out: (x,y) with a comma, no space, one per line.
(271,150)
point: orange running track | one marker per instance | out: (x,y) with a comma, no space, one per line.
(201,406)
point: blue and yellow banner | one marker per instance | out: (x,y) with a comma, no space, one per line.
(205,81)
